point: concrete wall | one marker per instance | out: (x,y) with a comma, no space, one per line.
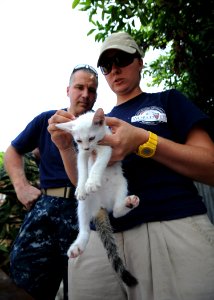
(207,192)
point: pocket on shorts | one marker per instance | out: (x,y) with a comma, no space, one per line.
(203,225)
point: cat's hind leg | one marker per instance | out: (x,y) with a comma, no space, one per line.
(84,217)
(122,208)
(132,201)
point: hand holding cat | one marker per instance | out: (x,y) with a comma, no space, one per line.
(125,138)
(64,141)
(61,138)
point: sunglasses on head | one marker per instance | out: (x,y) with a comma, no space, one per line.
(85,67)
(120,59)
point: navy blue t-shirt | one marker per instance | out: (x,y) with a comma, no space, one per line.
(164,194)
(51,168)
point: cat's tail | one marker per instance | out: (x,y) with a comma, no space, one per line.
(105,232)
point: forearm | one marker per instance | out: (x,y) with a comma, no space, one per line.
(69,158)
(14,165)
(194,162)
(194,159)
(64,142)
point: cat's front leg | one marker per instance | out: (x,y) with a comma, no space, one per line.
(82,166)
(98,167)
(80,192)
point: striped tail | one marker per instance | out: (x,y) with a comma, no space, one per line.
(105,232)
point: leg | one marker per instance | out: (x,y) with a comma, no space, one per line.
(122,203)
(97,168)
(129,203)
(91,276)
(190,242)
(40,248)
(84,218)
(171,259)
(31,255)
(82,163)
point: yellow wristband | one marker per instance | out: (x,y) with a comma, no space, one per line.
(148,149)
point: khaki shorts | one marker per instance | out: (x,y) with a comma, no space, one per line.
(172,260)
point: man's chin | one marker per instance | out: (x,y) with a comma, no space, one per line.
(83,108)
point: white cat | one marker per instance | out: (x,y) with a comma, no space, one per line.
(99,186)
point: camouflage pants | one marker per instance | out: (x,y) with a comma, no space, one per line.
(38,257)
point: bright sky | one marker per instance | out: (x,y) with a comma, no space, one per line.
(41,42)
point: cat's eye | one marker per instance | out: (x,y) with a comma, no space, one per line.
(91,138)
(79,141)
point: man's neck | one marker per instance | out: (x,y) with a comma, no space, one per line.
(126,97)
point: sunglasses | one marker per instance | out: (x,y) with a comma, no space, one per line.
(85,67)
(120,59)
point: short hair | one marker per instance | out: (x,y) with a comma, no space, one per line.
(85,68)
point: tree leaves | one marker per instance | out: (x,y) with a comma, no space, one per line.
(12,211)
(187,25)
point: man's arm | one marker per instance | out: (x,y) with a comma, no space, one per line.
(194,159)
(64,142)
(14,165)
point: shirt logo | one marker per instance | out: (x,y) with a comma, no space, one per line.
(150,115)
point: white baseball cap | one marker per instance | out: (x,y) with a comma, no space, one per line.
(121,41)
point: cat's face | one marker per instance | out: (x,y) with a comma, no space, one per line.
(88,138)
(87,130)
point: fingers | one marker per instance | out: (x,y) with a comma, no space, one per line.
(106,140)
(29,205)
(61,116)
(112,121)
(111,140)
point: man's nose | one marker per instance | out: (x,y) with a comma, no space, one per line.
(85,93)
(115,68)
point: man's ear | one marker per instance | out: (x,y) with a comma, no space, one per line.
(68,90)
(141,63)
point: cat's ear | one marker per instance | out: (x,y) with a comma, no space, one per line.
(67,126)
(99,117)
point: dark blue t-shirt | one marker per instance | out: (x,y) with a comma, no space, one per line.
(52,172)
(164,194)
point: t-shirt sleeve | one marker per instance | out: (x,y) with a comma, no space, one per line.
(29,138)
(183,115)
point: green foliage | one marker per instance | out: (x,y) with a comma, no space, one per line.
(1,158)
(188,26)
(12,211)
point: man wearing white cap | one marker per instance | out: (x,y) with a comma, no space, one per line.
(165,143)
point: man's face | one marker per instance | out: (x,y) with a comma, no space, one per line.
(122,74)
(82,92)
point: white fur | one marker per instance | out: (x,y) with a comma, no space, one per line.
(98,185)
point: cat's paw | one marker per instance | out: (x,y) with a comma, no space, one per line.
(121,209)
(80,193)
(132,201)
(92,186)
(74,251)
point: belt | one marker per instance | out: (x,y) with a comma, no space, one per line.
(63,192)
